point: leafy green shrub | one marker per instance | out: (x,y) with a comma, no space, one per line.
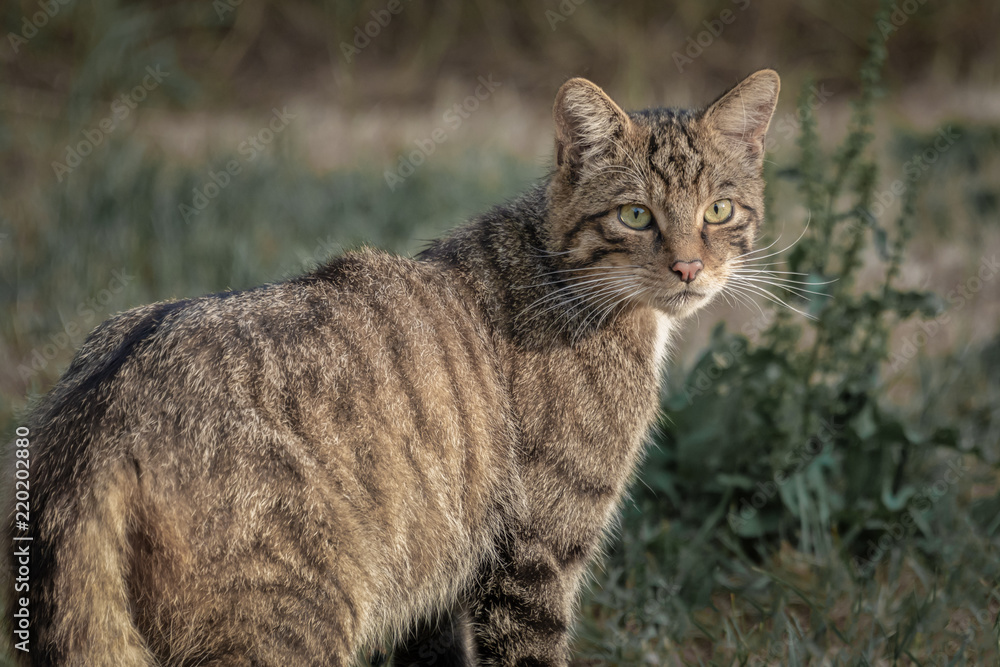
(781,478)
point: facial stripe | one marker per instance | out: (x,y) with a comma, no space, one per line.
(609,238)
(651,152)
(600,253)
(581,225)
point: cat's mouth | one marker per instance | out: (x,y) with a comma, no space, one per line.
(684,302)
(686,296)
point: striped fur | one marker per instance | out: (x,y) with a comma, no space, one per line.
(424,450)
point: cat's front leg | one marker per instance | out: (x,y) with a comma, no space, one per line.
(522,607)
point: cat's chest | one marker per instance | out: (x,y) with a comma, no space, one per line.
(662,342)
(604,392)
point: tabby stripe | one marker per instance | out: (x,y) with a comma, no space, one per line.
(334,579)
(530,662)
(531,232)
(571,555)
(699,170)
(610,239)
(689,145)
(397,345)
(527,612)
(445,338)
(540,455)
(292,409)
(580,224)
(650,152)
(419,474)
(366,468)
(364,372)
(282,418)
(535,573)
(480,366)
(732,229)
(137,339)
(601,253)
(692,156)
(620,192)
(493,253)
(594,386)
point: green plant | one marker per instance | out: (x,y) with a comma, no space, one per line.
(781,478)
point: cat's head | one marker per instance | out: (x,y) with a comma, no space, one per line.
(657,206)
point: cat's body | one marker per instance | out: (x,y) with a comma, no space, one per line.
(281,476)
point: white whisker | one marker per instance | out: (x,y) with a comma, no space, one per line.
(566,281)
(566,296)
(745,297)
(779,279)
(771,297)
(794,290)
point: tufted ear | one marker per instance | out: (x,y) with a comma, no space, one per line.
(587,123)
(742,115)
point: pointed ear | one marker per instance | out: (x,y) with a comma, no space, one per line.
(742,115)
(587,123)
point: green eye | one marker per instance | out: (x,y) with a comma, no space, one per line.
(635,216)
(719,211)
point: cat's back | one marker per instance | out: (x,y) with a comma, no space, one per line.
(368,314)
(371,345)
(360,405)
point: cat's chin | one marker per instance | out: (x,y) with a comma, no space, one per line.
(684,302)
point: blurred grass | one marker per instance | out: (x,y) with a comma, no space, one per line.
(677,587)
(119,216)
(235,45)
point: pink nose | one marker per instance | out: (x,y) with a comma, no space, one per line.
(687,270)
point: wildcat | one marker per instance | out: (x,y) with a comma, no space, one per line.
(424,450)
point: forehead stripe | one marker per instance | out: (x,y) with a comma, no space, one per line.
(651,151)
(580,225)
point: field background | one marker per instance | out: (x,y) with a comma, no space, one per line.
(878,542)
